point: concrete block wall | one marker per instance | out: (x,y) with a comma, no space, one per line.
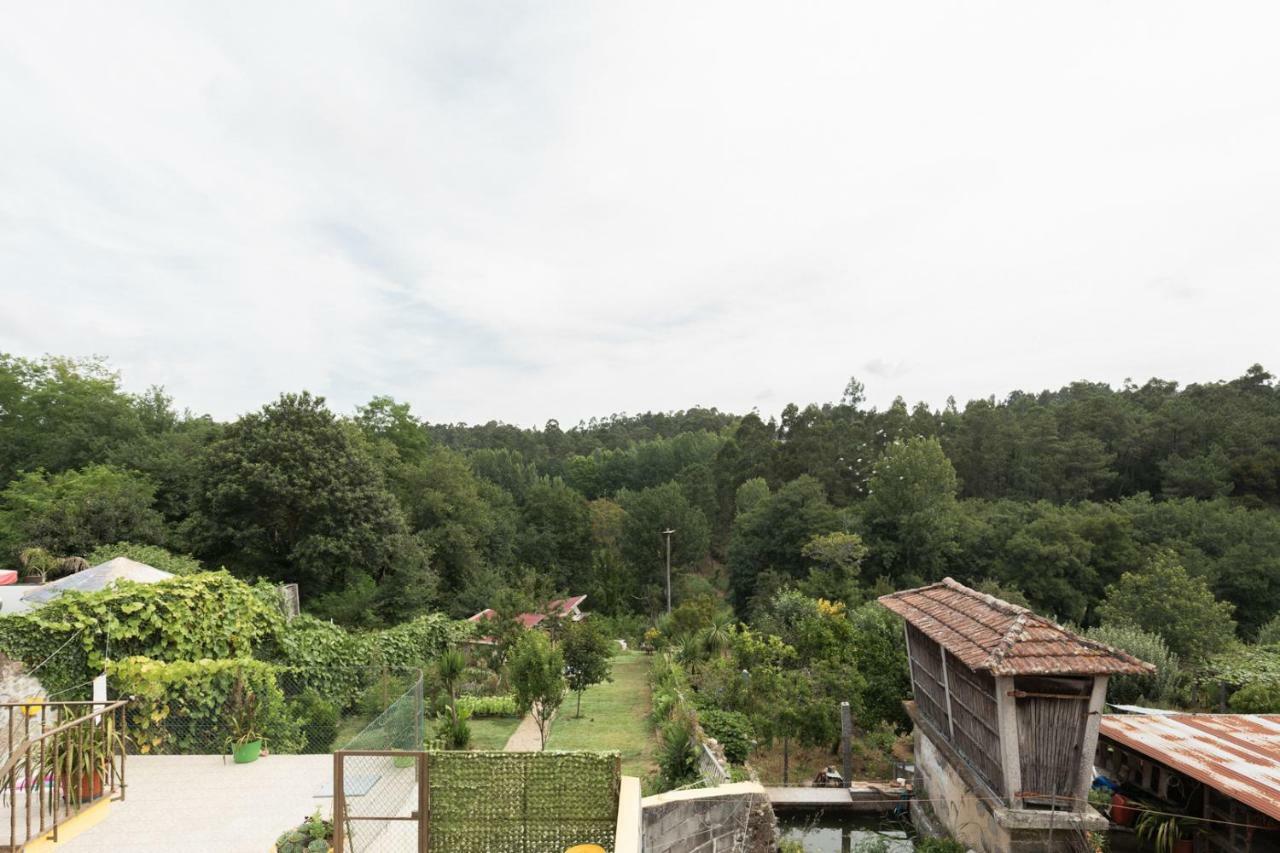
(725,818)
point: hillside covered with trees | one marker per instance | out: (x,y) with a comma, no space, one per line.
(1066,499)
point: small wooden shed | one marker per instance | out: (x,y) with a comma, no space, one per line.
(1017,696)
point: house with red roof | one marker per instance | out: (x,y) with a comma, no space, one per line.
(559,608)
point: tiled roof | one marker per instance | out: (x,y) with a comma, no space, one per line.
(986,633)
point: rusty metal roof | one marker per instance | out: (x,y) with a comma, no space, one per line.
(986,633)
(1235,754)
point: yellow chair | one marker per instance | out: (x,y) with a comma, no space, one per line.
(585,848)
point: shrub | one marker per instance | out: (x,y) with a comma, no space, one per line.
(182,707)
(488,706)
(678,752)
(455,733)
(732,729)
(317,718)
(1257,698)
(939,845)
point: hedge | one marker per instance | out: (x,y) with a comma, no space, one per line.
(207,615)
(181,707)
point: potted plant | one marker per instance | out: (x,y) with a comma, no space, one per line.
(313,835)
(245,742)
(82,762)
(1167,833)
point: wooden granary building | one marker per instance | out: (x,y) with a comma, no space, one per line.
(1006,709)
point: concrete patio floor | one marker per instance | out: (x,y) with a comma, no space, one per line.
(196,802)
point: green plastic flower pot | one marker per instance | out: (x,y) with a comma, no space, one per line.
(247,753)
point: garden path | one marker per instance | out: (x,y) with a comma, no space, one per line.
(525,738)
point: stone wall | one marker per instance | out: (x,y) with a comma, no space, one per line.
(725,818)
(17,686)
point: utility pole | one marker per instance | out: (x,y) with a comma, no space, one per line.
(667,533)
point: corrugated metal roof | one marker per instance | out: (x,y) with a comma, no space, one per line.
(986,633)
(1235,754)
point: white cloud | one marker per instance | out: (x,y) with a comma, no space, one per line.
(539,211)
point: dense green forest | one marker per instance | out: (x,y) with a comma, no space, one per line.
(1048,497)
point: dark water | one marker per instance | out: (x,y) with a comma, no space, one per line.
(841,832)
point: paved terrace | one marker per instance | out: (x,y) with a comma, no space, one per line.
(196,802)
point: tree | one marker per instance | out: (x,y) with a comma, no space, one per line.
(1164,599)
(586,657)
(75,511)
(57,414)
(910,511)
(773,533)
(1157,689)
(292,494)
(555,533)
(837,562)
(537,676)
(649,512)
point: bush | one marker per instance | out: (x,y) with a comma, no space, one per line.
(733,730)
(488,706)
(182,707)
(1257,698)
(939,845)
(678,752)
(456,735)
(317,718)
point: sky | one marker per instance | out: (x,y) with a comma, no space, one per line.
(558,210)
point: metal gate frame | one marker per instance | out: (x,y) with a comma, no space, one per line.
(421,816)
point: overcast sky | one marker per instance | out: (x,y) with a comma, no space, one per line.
(498,210)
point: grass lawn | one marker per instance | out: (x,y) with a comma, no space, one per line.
(491,732)
(615,715)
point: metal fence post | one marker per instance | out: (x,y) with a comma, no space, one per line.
(339,801)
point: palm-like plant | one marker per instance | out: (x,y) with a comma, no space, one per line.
(1164,831)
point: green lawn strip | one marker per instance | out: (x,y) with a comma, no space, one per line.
(615,715)
(491,732)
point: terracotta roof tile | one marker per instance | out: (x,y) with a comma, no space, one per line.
(986,633)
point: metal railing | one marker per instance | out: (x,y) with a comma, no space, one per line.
(60,758)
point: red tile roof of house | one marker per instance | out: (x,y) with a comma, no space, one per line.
(986,633)
(561,607)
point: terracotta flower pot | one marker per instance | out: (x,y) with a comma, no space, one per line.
(1122,814)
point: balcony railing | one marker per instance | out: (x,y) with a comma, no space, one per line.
(59,759)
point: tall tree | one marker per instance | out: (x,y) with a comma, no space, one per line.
(292,494)
(910,511)
(73,512)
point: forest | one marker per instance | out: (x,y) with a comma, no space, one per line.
(1067,500)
